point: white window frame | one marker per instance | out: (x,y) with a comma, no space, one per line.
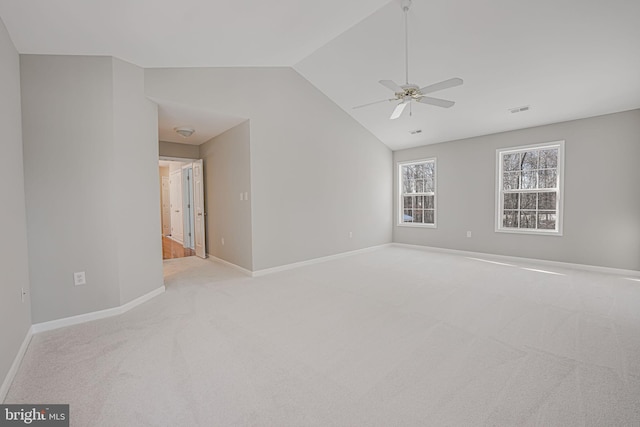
(559,189)
(400,205)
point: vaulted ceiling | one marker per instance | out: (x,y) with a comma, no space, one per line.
(565,59)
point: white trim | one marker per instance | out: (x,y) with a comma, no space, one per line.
(399,201)
(559,191)
(95,315)
(294,265)
(230,264)
(513,259)
(417,225)
(176,159)
(13,370)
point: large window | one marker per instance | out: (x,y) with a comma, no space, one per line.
(529,189)
(417,191)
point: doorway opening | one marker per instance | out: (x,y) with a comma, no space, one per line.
(182,208)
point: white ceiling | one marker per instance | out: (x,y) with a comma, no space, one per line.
(567,59)
(206,124)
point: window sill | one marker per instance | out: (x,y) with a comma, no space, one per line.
(532,232)
(417,225)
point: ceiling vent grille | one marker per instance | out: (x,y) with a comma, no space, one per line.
(519,109)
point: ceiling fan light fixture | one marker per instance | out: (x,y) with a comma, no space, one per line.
(409,92)
(184,131)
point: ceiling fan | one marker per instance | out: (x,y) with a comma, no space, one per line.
(410,92)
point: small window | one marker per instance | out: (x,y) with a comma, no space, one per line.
(417,205)
(529,189)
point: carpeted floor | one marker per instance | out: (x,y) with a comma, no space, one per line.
(393,337)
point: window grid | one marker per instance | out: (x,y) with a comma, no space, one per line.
(417,193)
(529,189)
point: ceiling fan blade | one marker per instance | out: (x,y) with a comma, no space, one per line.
(374,102)
(398,110)
(442,85)
(436,101)
(390,84)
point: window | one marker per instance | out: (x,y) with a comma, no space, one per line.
(417,205)
(529,189)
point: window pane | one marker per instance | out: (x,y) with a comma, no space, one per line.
(529,179)
(510,219)
(429,202)
(547,201)
(529,160)
(527,219)
(428,168)
(406,187)
(528,200)
(417,215)
(419,186)
(547,220)
(408,216)
(419,202)
(429,185)
(408,202)
(548,158)
(511,180)
(548,178)
(511,162)
(511,201)
(429,217)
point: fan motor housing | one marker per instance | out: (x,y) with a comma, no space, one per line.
(410,90)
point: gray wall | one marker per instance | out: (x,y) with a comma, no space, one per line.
(135,123)
(184,151)
(85,162)
(601,203)
(15,316)
(67,114)
(316,174)
(227,174)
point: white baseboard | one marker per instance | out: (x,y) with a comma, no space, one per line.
(8,379)
(285,267)
(513,259)
(230,264)
(88,317)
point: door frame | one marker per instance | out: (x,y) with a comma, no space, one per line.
(201,252)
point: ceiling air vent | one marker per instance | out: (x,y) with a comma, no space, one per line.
(414,132)
(519,109)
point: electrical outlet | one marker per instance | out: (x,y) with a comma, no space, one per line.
(222,240)
(241,197)
(246,195)
(79,278)
(468,234)
(350,234)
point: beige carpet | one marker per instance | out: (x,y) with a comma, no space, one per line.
(394,337)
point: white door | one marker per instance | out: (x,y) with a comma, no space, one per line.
(187,206)
(166,207)
(198,204)
(175,184)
